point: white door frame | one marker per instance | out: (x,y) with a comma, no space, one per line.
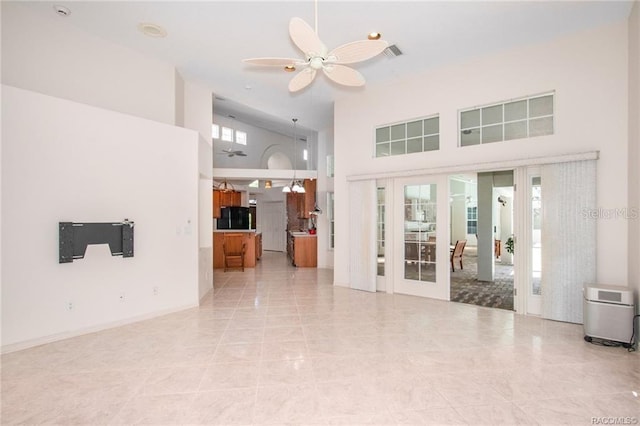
(440,289)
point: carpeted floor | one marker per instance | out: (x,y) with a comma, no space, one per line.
(466,288)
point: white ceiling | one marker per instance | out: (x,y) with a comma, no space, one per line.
(207,41)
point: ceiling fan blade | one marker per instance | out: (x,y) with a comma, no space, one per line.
(241,154)
(272,62)
(305,38)
(357,51)
(302,79)
(343,75)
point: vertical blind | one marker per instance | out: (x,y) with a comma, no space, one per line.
(568,237)
(362,235)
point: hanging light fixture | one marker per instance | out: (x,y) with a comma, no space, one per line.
(296,185)
(224,186)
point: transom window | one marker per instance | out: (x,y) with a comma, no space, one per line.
(408,137)
(517,119)
(215,131)
(227,134)
(241,137)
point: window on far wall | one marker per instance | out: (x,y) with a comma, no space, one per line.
(241,137)
(329,165)
(227,134)
(215,131)
(331,219)
(408,137)
(516,119)
(472,220)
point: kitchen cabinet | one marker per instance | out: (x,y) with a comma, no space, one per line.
(225,199)
(216,204)
(258,246)
(307,201)
(302,249)
(299,205)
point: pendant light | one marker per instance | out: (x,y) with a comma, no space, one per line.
(295,186)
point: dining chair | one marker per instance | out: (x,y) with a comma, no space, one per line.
(456,253)
(233,249)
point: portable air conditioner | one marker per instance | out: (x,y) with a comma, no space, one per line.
(608,312)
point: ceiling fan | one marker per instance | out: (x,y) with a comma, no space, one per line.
(230,152)
(317,57)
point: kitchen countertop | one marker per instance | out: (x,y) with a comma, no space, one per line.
(229,231)
(301,234)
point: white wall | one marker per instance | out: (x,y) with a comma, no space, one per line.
(634,145)
(47,54)
(65,161)
(261,143)
(196,107)
(588,71)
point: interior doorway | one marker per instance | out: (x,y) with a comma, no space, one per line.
(481,209)
(272,223)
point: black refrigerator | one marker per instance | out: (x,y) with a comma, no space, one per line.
(234,218)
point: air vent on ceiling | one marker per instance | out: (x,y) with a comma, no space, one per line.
(392,51)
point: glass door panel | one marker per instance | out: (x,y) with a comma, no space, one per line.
(536,240)
(420,243)
(420,209)
(380,231)
(533,254)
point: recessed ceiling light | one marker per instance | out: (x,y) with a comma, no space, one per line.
(152,30)
(374,36)
(61,10)
(290,68)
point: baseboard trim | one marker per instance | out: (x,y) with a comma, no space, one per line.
(26,344)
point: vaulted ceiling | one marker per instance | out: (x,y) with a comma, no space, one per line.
(207,41)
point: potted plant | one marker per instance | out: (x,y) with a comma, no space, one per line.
(509,245)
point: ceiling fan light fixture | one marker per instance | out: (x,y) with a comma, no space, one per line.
(290,68)
(286,189)
(224,186)
(374,35)
(333,63)
(297,187)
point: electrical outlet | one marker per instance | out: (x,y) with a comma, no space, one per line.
(155,290)
(122,297)
(70,306)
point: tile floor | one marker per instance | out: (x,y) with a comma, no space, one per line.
(278,345)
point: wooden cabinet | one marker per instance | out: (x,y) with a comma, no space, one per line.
(303,251)
(225,199)
(216,204)
(230,198)
(258,246)
(307,201)
(299,205)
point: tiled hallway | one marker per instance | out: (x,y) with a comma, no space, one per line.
(279,345)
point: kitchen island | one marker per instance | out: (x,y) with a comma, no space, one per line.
(302,249)
(252,240)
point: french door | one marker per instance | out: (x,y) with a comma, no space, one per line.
(421,245)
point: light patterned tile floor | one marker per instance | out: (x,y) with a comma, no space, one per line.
(278,345)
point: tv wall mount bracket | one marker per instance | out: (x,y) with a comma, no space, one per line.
(74,237)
